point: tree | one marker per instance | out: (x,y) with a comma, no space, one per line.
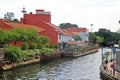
(16,20)
(9,16)
(107,35)
(99,39)
(92,37)
(67,25)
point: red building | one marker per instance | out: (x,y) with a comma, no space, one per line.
(43,20)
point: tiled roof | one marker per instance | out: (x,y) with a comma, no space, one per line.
(75,33)
(12,24)
(76,29)
(3,25)
(64,32)
(49,26)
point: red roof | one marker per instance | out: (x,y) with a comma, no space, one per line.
(12,24)
(3,25)
(76,29)
(64,32)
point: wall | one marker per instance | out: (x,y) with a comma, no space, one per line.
(52,35)
(43,20)
(64,38)
(34,19)
(84,36)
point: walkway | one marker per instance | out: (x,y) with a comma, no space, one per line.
(108,71)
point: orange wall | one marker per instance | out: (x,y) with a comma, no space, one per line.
(44,21)
(53,36)
(35,18)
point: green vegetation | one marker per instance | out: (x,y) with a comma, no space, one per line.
(47,51)
(105,56)
(104,37)
(77,38)
(24,46)
(13,53)
(39,46)
(67,25)
(56,46)
(32,45)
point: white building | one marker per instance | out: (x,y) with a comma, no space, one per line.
(64,36)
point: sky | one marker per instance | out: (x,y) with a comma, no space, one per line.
(100,13)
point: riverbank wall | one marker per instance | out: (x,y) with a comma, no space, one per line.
(8,66)
(5,65)
(79,53)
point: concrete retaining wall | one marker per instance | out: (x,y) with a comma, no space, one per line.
(28,62)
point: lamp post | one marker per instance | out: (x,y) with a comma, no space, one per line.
(91,41)
(102,54)
(91,26)
(119,21)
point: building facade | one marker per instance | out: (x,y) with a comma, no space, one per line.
(43,20)
(64,36)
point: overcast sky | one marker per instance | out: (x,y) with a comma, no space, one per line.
(101,13)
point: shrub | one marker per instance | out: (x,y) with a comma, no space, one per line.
(47,51)
(32,46)
(13,53)
(39,46)
(37,51)
(47,45)
(56,46)
(51,46)
(24,46)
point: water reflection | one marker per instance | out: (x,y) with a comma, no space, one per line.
(81,68)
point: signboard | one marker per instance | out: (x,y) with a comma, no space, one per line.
(2,53)
(116,45)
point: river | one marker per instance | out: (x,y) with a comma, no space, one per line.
(81,68)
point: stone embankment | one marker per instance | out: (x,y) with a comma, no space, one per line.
(79,53)
(5,65)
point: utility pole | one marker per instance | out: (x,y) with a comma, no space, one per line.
(114,59)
